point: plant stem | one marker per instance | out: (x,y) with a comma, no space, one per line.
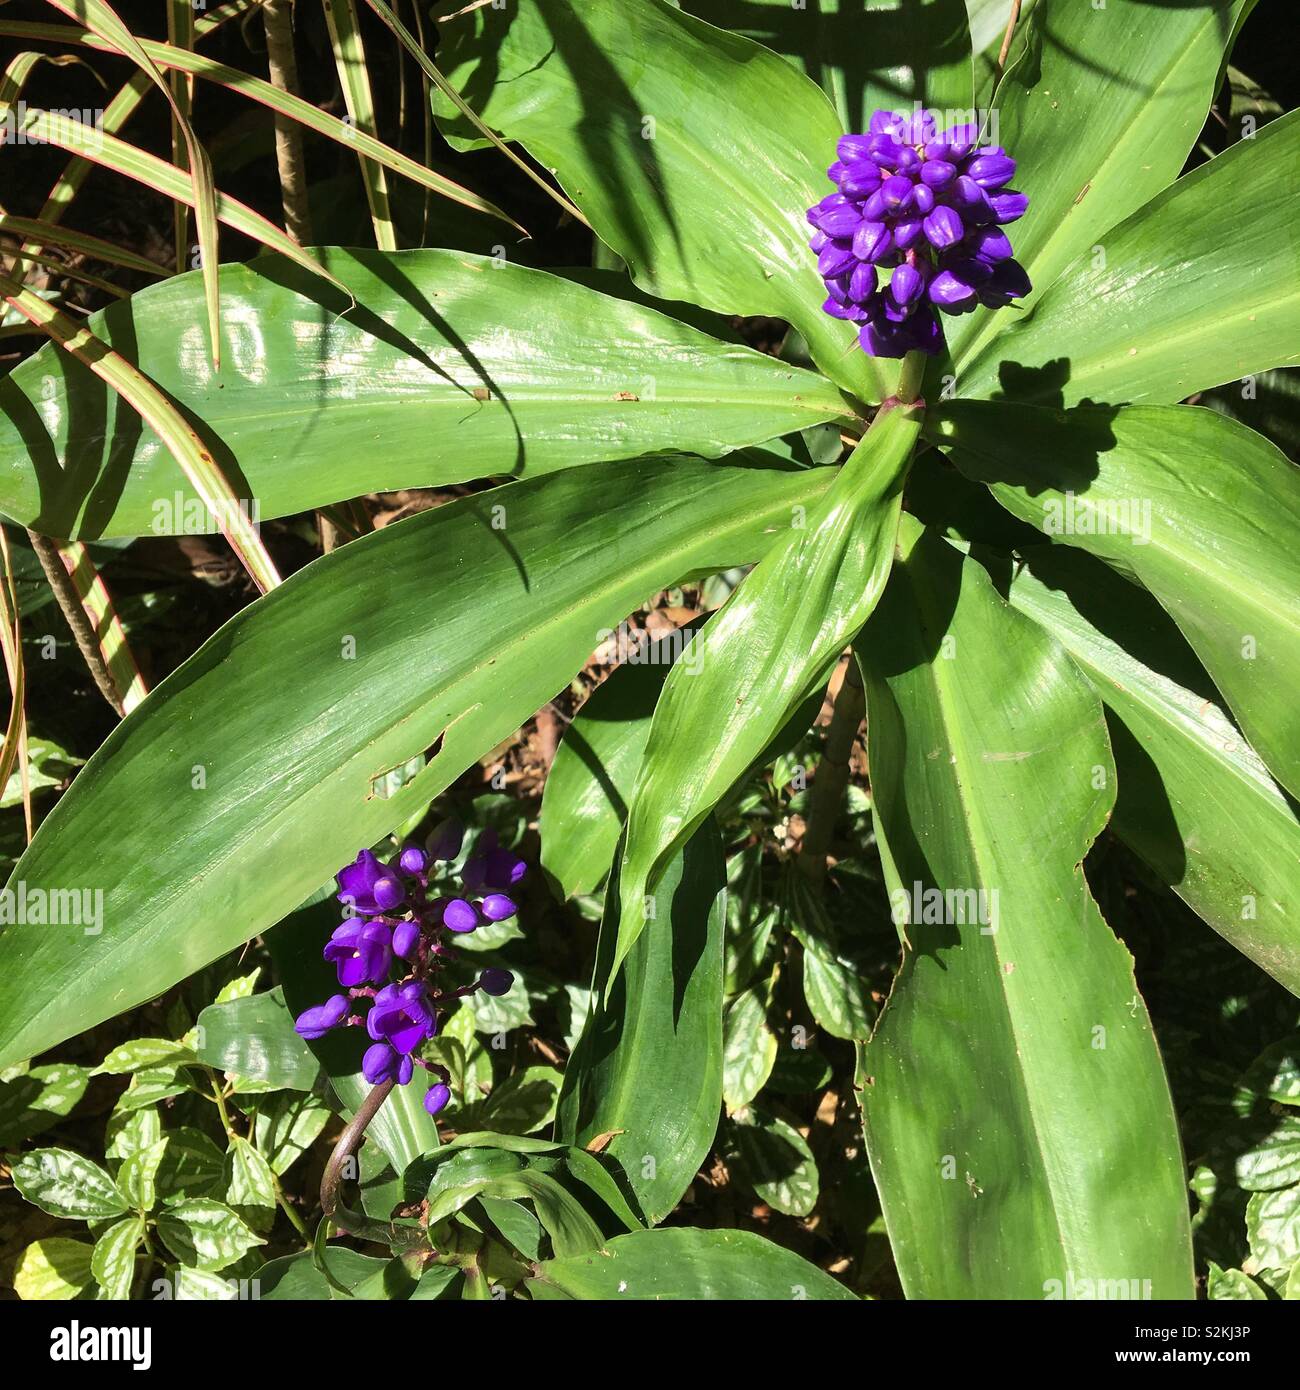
(832,776)
(911,378)
(282,63)
(353,1222)
(1006,38)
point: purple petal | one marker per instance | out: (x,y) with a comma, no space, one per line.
(992,170)
(937,173)
(1008,205)
(459,916)
(944,227)
(318,1020)
(835,258)
(406,937)
(871,241)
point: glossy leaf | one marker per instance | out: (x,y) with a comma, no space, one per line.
(1201,510)
(758,659)
(254,1038)
(1195,801)
(648,1067)
(205,1235)
(53,1269)
(309,389)
(1195,289)
(877,55)
(749,1046)
(775,1160)
(289,734)
(113,1263)
(684,1263)
(1020,1131)
(1100,107)
(67,1185)
(705,202)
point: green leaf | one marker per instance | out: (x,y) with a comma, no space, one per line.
(749,1047)
(521,1104)
(53,1269)
(1194,800)
(1196,289)
(1274,1162)
(294,1278)
(343,672)
(877,55)
(65,1184)
(775,1160)
(285,1127)
(131,1132)
(138,1176)
(648,1067)
(833,984)
(1273,1228)
(1231,1285)
(1020,1130)
(758,659)
(249,1179)
(1100,108)
(577,377)
(682,1263)
(191,1167)
(39,1098)
(253,1037)
(205,1235)
(1210,541)
(594,771)
(113,1262)
(143,1054)
(704,203)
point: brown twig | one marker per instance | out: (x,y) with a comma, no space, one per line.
(282,62)
(1006,38)
(832,776)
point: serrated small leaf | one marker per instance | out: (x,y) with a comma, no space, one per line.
(1232,1285)
(1273,1229)
(521,1104)
(205,1235)
(130,1132)
(33,1101)
(68,1185)
(192,1166)
(286,1126)
(1275,1161)
(113,1263)
(137,1177)
(749,1048)
(141,1054)
(249,1179)
(775,1160)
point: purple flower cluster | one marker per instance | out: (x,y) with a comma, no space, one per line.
(927,208)
(396,920)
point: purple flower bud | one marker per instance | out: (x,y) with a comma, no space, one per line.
(381,1063)
(990,244)
(1008,205)
(318,1020)
(496,907)
(860,181)
(402,1015)
(1007,282)
(992,170)
(897,193)
(949,291)
(369,886)
(406,937)
(836,216)
(862,283)
(412,860)
(504,869)
(836,257)
(436,1097)
(906,232)
(871,241)
(961,141)
(938,172)
(923,199)
(943,227)
(444,840)
(361,950)
(494,981)
(459,916)
(905,285)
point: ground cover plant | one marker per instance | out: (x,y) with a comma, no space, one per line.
(652,650)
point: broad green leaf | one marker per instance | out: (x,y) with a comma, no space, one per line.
(759,658)
(833,983)
(1195,289)
(39,1098)
(704,200)
(294,1278)
(749,1047)
(521,1104)
(420,384)
(571,1230)
(1194,800)
(584,802)
(683,1263)
(1200,510)
(65,1184)
(515,1223)
(1100,108)
(205,1235)
(113,1263)
(648,1067)
(249,1179)
(53,1269)
(775,1160)
(877,55)
(292,709)
(1020,1129)
(254,1038)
